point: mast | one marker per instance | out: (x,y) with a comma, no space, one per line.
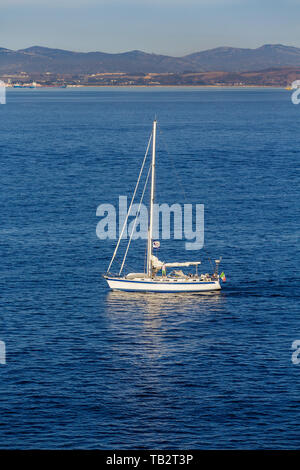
(150,229)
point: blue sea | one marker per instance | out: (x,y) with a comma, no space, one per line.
(91,369)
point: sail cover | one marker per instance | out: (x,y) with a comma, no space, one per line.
(157,264)
(188,263)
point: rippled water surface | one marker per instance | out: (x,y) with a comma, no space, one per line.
(89,368)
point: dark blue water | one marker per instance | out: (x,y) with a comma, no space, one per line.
(87,368)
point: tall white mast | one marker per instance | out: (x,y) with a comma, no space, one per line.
(150,230)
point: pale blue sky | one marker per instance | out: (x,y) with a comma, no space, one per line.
(173,27)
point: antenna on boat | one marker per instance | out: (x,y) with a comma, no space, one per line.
(217,261)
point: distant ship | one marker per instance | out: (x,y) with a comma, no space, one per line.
(25,85)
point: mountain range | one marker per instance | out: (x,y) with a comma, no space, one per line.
(39,59)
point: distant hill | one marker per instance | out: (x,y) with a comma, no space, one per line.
(232,59)
(42,59)
(229,59)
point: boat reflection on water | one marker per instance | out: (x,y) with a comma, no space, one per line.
(158,325)
(156,304)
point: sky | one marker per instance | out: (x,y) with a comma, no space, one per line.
(171,27)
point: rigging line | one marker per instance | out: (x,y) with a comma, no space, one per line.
(136,218)
(145,259)
(128,212)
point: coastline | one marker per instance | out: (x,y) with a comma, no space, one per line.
(150,86)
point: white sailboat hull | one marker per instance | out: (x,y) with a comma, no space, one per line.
(163,286)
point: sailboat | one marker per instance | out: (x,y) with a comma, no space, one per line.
(155,277)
